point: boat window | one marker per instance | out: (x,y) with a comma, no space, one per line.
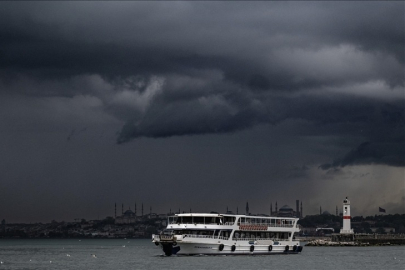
(167,232)
(187,220)
(194,232)
(225,233)
(259,235)
(218,220)
(176,220)
(199,220)
(209,220)
(229,219)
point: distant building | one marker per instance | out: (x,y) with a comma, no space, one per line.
(128,217)
(326,213)
(286,211)
(153,216)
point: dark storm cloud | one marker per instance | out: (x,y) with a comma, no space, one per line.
(186,68)
(390,153)
(248,43)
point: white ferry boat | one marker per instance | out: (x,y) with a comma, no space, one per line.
(226,234)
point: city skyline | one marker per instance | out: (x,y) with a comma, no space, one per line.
(272,211)
(201,105)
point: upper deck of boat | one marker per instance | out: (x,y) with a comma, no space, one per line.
(230,215)
(230,220)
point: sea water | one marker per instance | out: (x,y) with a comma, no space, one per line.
(99,254)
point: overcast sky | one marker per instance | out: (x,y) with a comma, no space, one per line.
(201,105)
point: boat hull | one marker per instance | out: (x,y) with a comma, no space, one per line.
(223,248)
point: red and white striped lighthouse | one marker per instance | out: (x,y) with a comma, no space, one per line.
(346,218)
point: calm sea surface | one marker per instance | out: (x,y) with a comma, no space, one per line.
(142,254)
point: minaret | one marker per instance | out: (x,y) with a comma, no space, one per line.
(337,211)
(297,208)
(346,218)
(142,209)
(135,209)
(276,208)
(320,210)
(301,214)
(122,210)
(115,215)
(247,208)
(271,209)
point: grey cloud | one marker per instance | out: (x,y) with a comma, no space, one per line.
(238,67)
(202,116)
(390,153)
(243,42)
(298,172)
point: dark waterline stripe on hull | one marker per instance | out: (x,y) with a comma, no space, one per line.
(237,254)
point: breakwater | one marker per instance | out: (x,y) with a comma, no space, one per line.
(359,240)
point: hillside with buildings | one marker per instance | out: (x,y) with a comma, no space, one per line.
(130,226)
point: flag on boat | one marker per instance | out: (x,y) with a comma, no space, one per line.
(381,209)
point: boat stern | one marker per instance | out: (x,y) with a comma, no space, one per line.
(167,242)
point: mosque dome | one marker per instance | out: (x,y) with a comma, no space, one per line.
(128,213)
(286,208)
(326,213)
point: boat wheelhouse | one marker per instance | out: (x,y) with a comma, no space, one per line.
(227,234)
